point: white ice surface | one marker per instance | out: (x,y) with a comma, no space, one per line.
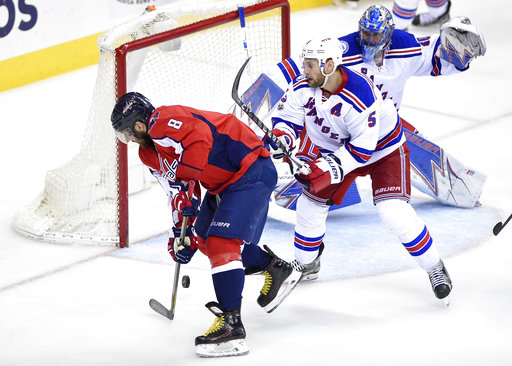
(81,305)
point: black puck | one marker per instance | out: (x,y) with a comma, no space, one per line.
(185,281)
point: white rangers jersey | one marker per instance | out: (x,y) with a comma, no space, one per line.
(405,57)
(354,123)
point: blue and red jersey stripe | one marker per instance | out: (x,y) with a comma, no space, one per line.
(392,137)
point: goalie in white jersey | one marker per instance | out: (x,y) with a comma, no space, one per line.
(358,133)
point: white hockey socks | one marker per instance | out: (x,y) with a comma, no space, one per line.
(400,217)
(310,229)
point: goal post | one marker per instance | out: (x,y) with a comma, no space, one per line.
(186,53)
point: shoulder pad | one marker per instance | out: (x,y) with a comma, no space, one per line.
(358,90)
(289,69)
(402,39)
(351,49)
(403,45)
(300,82)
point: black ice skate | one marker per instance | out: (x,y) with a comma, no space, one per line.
(425,19)
(226,337)
(309,271)
(440,280)
(280,280)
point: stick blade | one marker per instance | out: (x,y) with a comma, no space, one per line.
(497,228)
(236,83)
(160,309)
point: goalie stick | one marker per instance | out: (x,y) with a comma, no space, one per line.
(260,124)
(156,305)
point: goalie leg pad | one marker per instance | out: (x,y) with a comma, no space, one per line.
(441,176)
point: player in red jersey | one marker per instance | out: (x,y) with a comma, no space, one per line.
(181,144)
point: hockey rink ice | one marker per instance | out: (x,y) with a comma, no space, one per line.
(372,305)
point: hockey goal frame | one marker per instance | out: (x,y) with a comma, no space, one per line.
(121,83)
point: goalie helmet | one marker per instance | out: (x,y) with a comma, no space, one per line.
(323,50)
(376,27)
(130,108)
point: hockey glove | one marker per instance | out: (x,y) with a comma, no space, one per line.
(181,206)
(286,140)
(182,252)
(461,42)
(323,172)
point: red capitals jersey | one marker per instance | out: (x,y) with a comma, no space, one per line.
(214,148)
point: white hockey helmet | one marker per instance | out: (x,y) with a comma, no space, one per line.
(323,49)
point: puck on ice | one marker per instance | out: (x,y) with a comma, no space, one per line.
(185,281)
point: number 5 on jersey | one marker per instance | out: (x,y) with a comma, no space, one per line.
(371,119)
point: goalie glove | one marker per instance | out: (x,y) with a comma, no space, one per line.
(461,42)
(322,173)
(182,252)
(285,138)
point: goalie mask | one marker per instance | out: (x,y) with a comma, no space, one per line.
(323,50)
(376,27)
(130,108)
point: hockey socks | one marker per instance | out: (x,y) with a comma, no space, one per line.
(228,288)
(254,258)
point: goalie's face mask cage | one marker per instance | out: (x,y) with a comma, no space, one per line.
(376,27)
(130,108)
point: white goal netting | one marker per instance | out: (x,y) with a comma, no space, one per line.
(194,65)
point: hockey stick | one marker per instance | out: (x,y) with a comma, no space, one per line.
(259,123)
(243,28)
(156,305)
(243,35)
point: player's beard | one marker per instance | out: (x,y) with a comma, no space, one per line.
(316,83)
(144,140)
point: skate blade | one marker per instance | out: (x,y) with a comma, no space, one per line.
(237,347)
(446,301)
(286,288)
(309,277)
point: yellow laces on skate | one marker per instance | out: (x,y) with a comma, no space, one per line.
(217,324)
(267,284)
